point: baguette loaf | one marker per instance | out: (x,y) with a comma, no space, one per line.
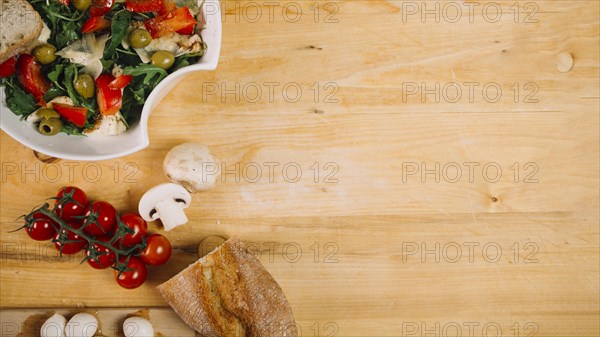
(228,293)
(20,25)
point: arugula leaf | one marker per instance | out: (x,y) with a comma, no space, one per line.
(118,28)
(187,59)
(152,74)
(17,100)
(55,74)
(70,76)
(71,129)
(53,93)
(60,18)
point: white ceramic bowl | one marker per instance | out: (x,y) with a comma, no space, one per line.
(136,138)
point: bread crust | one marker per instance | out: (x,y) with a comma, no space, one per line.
(20,24)
(229,293)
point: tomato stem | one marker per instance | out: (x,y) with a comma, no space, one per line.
(63,225)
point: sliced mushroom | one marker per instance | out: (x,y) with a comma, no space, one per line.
(192,166)
(167,203)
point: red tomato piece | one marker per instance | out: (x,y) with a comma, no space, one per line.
(74,114)
(105,257)
(134,276)
(141,6)
(94,24)
(139,227)
(165,24)
(187,31)
(101,218)
(120,82)
(109,100)
(158,250)
(71,210)
(9,67)
(64,2)
(30,76)
(75,244)
(101,7)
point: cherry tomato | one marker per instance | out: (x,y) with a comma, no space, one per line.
(139,226)
(42,229)
(158,250)
(39,215)
(134,276)
(106,218)
(71,210)
(106,256)
(75,245)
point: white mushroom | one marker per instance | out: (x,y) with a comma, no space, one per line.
(165,202)
(192,166)
(137,327)
(54,326)
(82,325)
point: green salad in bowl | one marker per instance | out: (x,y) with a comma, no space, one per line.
(96,62)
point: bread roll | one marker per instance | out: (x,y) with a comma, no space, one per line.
(20,25)
(229,293)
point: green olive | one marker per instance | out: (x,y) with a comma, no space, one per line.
(44,53)
(46,113)
(50,127)
(139,38)
(84,86)
(82,5)
(163,59)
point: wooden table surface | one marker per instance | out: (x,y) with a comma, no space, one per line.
(384,203)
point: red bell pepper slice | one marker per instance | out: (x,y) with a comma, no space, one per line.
(74,114)
(94,24)
(9,67)
(29,73)
(101,7)
(109,100)
(165,24)
(187,31)
(142,6)
(120,82)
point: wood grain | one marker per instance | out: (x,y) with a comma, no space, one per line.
(355,248)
